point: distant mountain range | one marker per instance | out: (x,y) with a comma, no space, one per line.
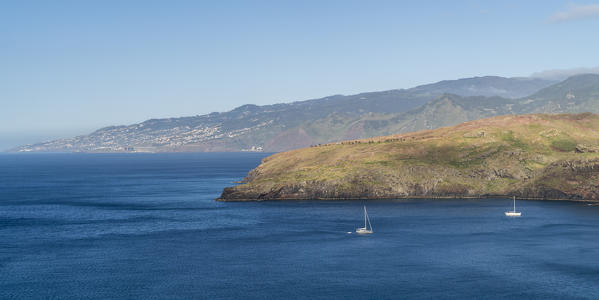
(281,127)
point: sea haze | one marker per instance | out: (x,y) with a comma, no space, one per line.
(147,226)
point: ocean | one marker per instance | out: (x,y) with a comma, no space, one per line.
(146,226)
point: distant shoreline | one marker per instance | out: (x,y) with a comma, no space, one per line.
(409,197)
(157,152)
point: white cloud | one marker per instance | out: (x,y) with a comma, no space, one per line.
(575,12)
(561,74)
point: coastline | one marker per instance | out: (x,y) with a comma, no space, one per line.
(409,197)
(536,157)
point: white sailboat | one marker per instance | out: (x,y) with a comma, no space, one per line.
(513,213)
(365,230)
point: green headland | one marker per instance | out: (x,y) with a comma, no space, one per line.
(536,156)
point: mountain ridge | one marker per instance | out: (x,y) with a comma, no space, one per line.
(280,127)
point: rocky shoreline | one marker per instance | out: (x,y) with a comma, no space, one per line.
(529,156)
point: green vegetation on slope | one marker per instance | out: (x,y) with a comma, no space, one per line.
(540,156)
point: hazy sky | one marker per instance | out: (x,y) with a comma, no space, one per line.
(68,67)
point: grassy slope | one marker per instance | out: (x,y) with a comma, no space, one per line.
(528,156)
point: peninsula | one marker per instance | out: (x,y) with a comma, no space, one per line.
(541,156)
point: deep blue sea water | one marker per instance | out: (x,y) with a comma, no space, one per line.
(146,226)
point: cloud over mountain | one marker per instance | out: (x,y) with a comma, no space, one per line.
(561,74)
(575,12)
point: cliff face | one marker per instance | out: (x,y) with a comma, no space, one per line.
(530,156)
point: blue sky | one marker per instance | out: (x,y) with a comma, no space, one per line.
(68,67)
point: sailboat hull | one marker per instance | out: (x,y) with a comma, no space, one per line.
(363,231)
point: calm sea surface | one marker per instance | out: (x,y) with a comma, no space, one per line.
(147,226)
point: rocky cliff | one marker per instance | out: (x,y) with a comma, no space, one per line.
(529,156)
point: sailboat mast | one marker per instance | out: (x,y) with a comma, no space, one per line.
(514,203)
(364,216)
